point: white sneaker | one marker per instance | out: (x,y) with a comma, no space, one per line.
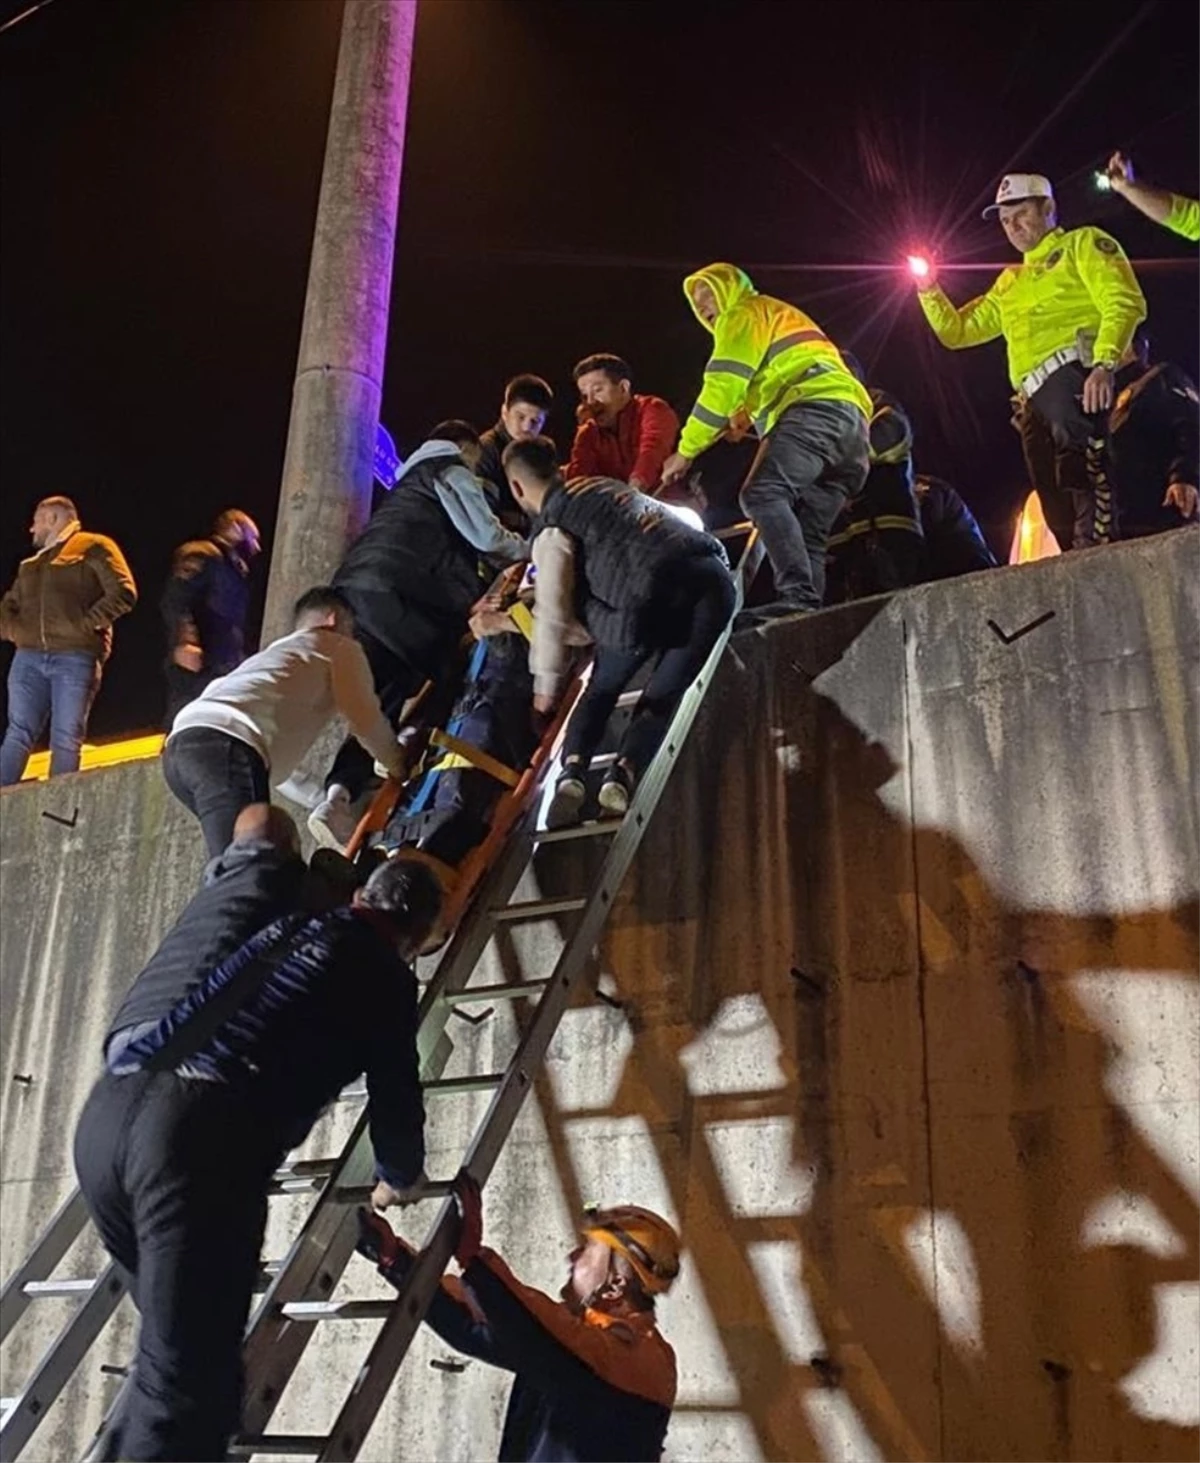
(332,822)
(615,793)
(567,802)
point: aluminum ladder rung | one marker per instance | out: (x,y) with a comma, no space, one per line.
(511,992)
(312,1311)
(286,1445)
(51,1289)
(361,1193)
(599,827)
(535,909)
(451,1086)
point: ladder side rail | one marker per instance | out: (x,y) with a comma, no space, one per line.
(58,1364)
(391,1345)
(52,1244)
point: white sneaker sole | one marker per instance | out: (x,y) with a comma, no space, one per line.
(326,835)
(565,805)
(613,799)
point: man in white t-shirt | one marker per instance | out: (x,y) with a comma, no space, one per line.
(248,730)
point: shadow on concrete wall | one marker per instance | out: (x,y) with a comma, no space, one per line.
(966,1246)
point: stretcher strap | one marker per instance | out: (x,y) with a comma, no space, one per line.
(475,757)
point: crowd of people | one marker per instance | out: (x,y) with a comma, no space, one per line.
(481,580)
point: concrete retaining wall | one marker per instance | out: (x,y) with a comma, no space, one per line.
(906,1042)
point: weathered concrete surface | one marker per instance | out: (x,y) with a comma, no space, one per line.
(908,1042)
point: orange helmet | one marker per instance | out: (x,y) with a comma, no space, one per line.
(645,1239)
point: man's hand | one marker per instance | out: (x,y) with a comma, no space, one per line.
(543,704)
(469,1199)
(1098,391)
(928,279)
(1119,172)
(188,658)
(675,467)
(383,1196)
(485,622)
(1183,498)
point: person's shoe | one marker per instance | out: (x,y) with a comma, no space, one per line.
(616,791)
(332,822)
(779,609)
(567,802)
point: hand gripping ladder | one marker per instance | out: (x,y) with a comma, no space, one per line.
(300,1287)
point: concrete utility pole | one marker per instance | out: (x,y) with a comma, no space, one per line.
(326,491)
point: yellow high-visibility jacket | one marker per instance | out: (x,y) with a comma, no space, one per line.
(1071,282)
(1184,218)
(767,355)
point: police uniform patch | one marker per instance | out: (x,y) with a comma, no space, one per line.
(1106,246)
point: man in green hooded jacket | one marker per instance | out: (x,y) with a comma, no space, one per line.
(774,369)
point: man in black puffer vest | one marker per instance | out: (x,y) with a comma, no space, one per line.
(646,586)
(411,577)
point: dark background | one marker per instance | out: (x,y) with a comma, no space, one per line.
(567,163)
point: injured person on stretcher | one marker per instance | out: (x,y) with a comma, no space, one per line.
(446,810)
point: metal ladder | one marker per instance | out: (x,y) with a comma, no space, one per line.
(299,1288)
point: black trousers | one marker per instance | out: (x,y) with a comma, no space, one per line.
(876,562)
(175,1176)
(395,682)
(1071,470)
(214,776)
(693,611)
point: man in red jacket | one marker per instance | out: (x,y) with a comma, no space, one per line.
(620,435)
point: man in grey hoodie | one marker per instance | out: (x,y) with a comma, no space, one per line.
(412,577)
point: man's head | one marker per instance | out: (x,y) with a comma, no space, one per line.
(605,387)
(531,466)
(50,517)
(239,532)
(627,1253)
(1026,207)
(263,823)
(408,894)
(323,608)
(463,435)
(526,405)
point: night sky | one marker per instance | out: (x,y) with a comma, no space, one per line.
(567,163)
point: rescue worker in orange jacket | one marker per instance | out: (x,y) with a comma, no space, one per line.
(595,1378)
(1067,313)
(774,368)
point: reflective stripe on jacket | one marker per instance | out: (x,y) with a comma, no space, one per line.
(1071,284)
(767,355)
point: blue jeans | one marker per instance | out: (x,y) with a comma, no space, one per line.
(54,685)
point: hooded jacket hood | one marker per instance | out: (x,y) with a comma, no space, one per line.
(729,284)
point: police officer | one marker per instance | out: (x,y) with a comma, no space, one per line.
(1067,313)
(594,1376)
(877,541)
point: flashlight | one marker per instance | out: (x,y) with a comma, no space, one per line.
(918,266)
(1103,182)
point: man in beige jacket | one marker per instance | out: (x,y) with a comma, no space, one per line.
(59,613)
